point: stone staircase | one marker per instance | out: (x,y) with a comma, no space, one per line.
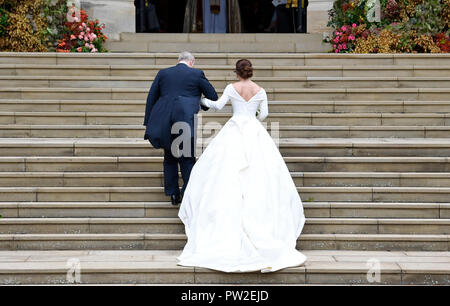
(366,138)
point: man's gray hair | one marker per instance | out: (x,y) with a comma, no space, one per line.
(186,56)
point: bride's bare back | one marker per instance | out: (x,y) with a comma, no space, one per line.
(247,89)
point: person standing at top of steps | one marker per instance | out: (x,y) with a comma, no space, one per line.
(172,103)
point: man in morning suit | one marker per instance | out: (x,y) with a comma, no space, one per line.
(174,98)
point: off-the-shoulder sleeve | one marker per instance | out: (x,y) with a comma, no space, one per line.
(219,104)
(263,108)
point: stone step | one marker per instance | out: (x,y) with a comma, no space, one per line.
(296,164)
(166,210)
(156,194)
(288,94)
(305,131)
(308,43)
(219,37)
(228,70)
(292,147)
(160,267)
(358,242)
(202,58)
(155,179)
(138,106)
(175,226)
(285,82)
(283,119)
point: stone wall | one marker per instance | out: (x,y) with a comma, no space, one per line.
(118,15)
(318,15)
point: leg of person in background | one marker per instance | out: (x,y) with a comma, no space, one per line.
(139,20)
(264,14)
(305,16)
(163,14)
(273,23)
(301,24)
(300,21)
(284,19)
(152,20)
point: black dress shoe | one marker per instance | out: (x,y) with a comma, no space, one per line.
(175,199)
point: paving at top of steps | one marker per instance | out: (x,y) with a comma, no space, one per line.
(313,44)
(228,70)
(219,42)
(132,267)
(222,81)
(279,59)
(294,147)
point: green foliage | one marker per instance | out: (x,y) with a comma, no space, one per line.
(25,23)
(55,12)
(4,21)
(426,18)
(407,42)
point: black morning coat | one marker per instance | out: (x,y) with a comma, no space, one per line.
(174,96)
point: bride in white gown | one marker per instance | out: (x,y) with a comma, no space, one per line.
(241,209)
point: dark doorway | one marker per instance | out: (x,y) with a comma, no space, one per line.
(258,16)
(169,15)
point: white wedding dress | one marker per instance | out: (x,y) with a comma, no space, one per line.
(241,209)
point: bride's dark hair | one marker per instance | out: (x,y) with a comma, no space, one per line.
(244,68)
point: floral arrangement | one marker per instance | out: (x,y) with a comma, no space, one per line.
(344,38)
(83,35)
(43,25)
(411,26)
(442,41)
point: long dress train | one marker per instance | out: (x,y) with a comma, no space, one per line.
(241,209)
